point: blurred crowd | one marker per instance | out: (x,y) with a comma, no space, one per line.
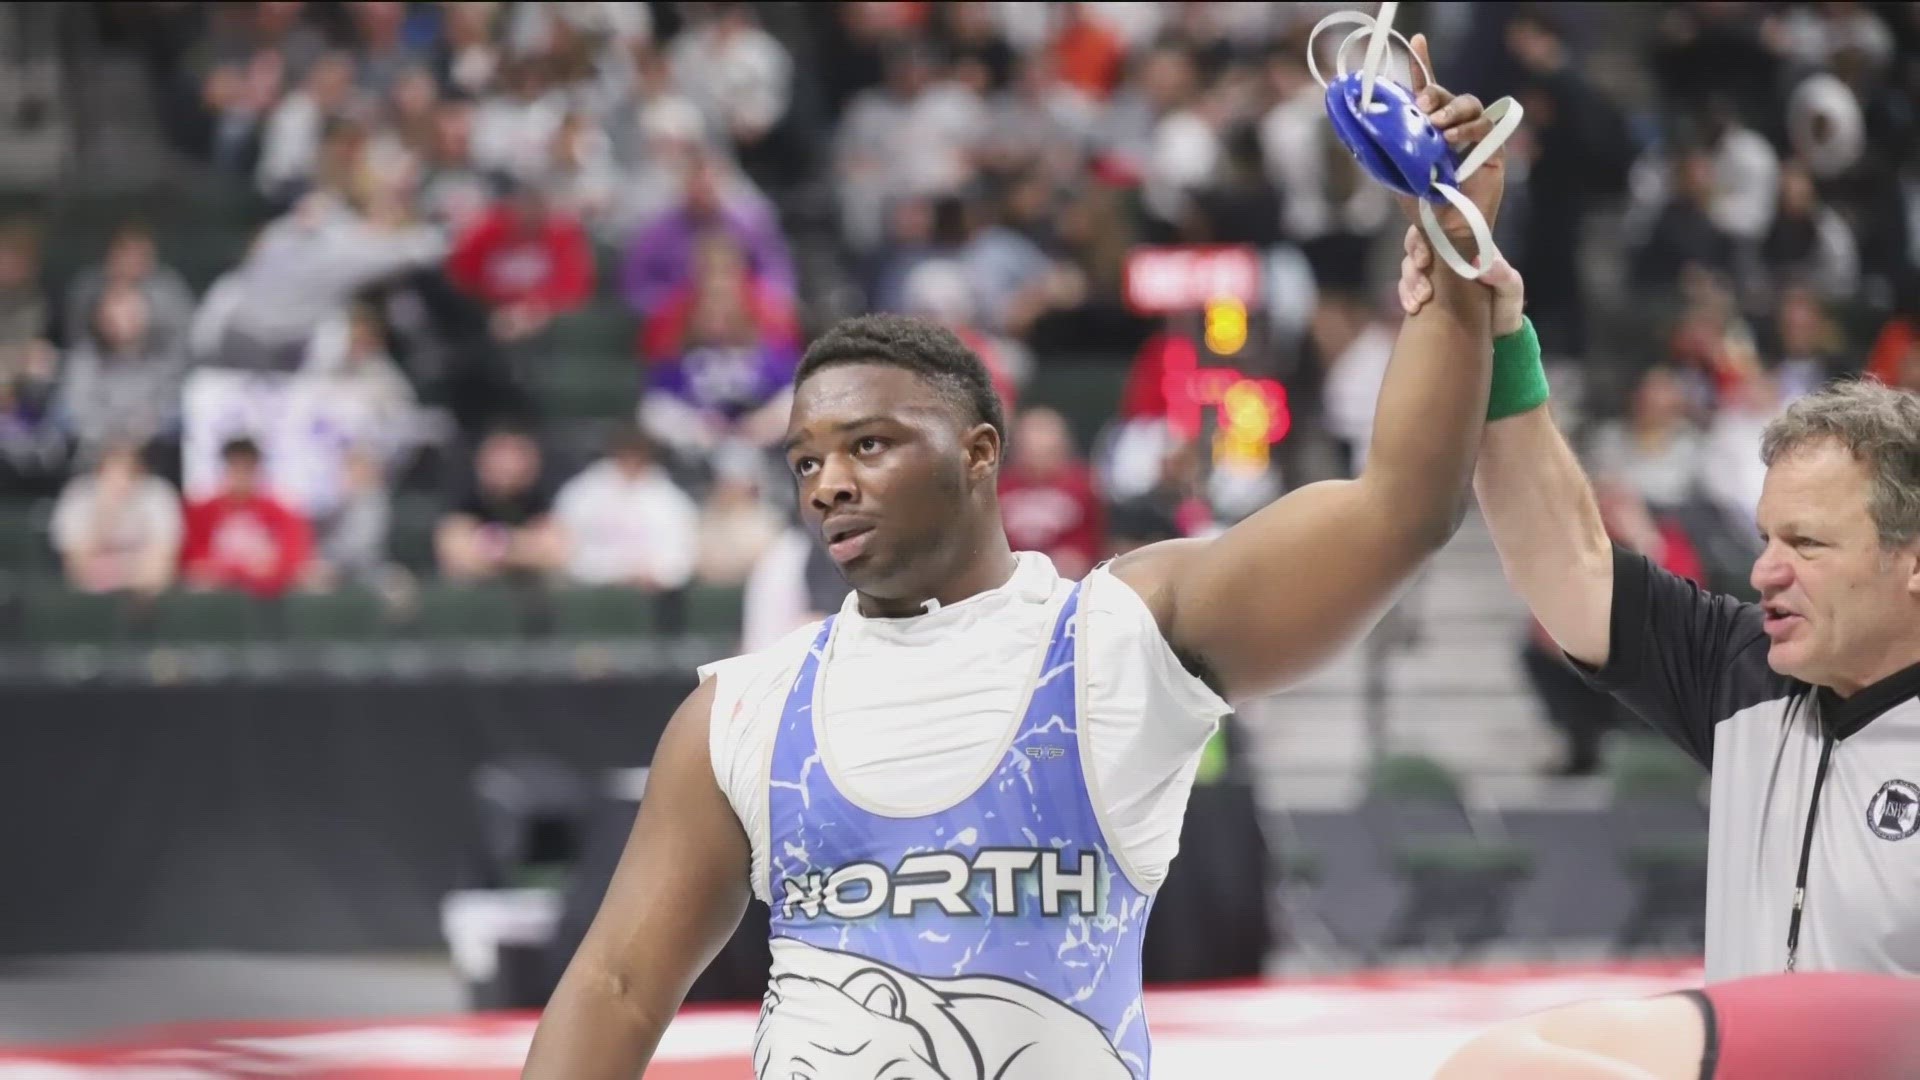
(448,185)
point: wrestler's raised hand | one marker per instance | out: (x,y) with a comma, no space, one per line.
(1462,120)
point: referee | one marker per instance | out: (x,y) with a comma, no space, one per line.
(1802,706)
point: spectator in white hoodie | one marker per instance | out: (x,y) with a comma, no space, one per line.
(627,522)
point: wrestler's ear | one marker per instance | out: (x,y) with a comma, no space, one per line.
(984,451)
(877,992)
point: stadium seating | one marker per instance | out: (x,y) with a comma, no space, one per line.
(202,229)
(39,610)
(212,617)
(481,610)
(1659,826)
(583,386)
(713,609)
(45,611)
(410,534)
(23,537)
(603,612)
(603,329)
(1459,882)
(350,613)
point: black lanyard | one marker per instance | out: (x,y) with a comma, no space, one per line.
(1806,855)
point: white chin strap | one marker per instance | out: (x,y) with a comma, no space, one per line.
(1505,114)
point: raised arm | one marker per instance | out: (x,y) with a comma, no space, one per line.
(1546,525)
(1534,494)
(1682,658)
(675,899)
(1279,593)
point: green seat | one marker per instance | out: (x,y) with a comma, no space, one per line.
(1641,768)
(187,618)
(410,536)
(478,610)
(609,611)
(1459,885)
(715,609)
(582,440)
(609,263)
(24,543)
(539,876)
(1413,776)
(347,614)
(208,197)
(201,229)
(51,614)
(575,387)
(1085,392)
(202,261)
(603,331)
(1664,856)
(1466,855)
(1659,825)
(1301,867)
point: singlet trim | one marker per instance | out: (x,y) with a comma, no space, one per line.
(1710,1025)
(1083,740)
(981,776)
(762,870)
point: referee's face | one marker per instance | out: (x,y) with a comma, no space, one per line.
(1840,609)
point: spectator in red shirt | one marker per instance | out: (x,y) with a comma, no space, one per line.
(1046,496)
(1896,339)
(525,259)
(243,538)
(1088,55)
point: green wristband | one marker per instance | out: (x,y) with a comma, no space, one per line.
(1519,382)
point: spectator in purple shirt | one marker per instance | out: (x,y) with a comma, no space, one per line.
(721,356)
(661,258)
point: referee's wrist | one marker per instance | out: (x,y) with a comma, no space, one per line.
(1519,379)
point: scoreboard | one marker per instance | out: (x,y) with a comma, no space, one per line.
(1215,292)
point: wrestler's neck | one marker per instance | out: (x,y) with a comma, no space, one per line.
(981,566)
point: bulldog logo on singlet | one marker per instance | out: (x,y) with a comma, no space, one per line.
(839,1016)
(1894,811)
(997,881)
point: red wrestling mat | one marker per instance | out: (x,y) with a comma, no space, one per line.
(1376,1025)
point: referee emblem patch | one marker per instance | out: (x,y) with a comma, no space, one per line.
(1894,811)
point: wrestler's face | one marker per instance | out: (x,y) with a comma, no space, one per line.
(890,475)
(1840,607)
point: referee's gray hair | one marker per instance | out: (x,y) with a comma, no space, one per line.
(1880,426)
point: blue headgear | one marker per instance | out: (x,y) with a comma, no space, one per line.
(1395,142)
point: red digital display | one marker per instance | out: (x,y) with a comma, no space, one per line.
(1251,414)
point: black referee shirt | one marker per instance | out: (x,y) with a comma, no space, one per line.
(1815,797)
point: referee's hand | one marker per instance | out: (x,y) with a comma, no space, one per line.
(1416,288)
